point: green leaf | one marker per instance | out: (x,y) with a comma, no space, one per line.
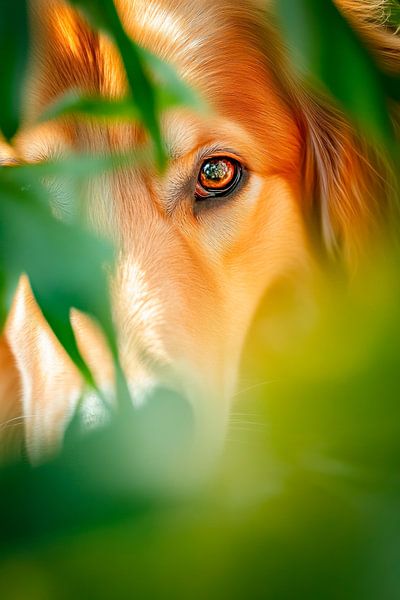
(172,93)
(14,45)
(104,16)
(65,264)
(391,85)
(59,183)
(72,103)
(171,89)
(326,49)
(77,166)
(108,473)
(154,84)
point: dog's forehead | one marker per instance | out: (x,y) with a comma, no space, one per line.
(219,49)
(214,46)
(184,22)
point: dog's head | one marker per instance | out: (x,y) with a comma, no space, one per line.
(246,184)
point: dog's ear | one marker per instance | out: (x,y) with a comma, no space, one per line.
(375,24)
(347,183)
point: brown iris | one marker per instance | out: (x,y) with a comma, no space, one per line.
(217,177)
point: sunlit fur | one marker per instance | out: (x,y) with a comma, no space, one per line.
(187,285)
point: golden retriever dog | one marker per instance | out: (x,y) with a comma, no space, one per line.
(259,189)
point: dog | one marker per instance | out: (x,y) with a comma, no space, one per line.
(273,179)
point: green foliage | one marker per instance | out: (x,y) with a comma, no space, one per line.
(171,94)
(73,103)
(304,503)
(88,482)
(104,16)
(37,243)
(64,263)
(14,50)
(147,100)
(327,50)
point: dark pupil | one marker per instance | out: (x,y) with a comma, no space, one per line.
(215,170)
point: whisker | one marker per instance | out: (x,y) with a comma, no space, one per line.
(253,387)
(249,430)
(246,422)
(253,413)
(16,421)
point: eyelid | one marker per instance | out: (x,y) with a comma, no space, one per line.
(208,152)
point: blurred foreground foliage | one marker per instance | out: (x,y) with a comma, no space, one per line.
(303,504)
(327,52)
(305,501)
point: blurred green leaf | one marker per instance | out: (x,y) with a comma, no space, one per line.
(326,49)
(65,264)
(73,103)
(154,84)
(75,166)
(131,464)
(171,90)
(171,94)
(104,16)
(14,46)
(391,85)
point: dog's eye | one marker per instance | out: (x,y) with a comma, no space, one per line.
(218,176)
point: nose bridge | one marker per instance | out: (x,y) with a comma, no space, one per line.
(161,292)
(146,241)
(135,210)
(139,297)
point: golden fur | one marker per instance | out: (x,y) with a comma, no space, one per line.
(187,284)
